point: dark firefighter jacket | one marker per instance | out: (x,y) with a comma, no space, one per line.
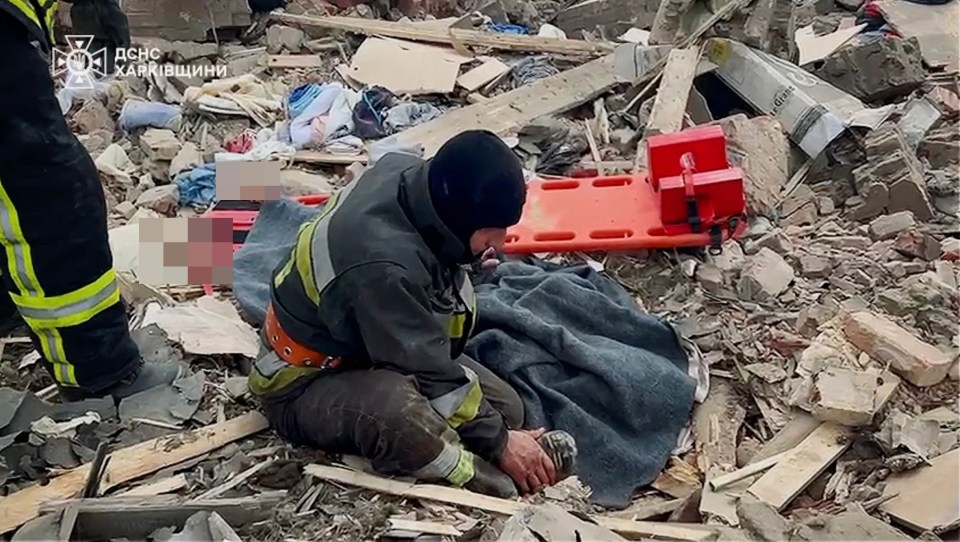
(37,15)
(372,279)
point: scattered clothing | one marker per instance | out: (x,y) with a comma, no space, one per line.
(531,69)
(408,115)
(327,116)
(198,186)
(301,97)
(505,28)
(564,337)
(369,113)
(140,114)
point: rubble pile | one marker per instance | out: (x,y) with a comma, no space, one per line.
(829,328)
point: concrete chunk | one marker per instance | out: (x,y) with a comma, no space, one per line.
(845,397)
(160,144)
(886,342)
(917,244)
(877,70)
(765,276)
(815,267)
(92,117)
(889,226)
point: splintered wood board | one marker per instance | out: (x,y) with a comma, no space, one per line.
(509,111)
(798,468)
(449,36)
(128,464)
(406,67)
(928,498)
(666,117)
(462,497)
(782,483)
(294,61)
(482,74)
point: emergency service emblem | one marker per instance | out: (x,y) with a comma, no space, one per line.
(80,65)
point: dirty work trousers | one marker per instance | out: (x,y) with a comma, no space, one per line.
(55,259)
(379,415)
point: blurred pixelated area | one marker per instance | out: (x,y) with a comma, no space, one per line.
(247,180)
(186,251)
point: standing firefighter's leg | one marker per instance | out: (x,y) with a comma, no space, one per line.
(59,269)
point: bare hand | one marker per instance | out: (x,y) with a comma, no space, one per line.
(526,462)
(489,259)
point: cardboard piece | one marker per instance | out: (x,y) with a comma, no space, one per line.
(406,67)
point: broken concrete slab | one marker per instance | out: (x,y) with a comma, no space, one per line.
(776,240)
(889,226)
(93,117)
(184,19)
(886,342)
(844,396)
(171,404)
(765,276)
(877,69)
(815,267)
(163,199)
(760,148)
(187,158)
(160,144)
(920,436)
(917,244)
(851,524)
(872,201)
(280,37)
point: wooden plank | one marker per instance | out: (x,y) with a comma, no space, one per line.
(294,61)
(461,497)
(482,74)
(233,482)
(128,464)
(449,36)
(509,111)
(424,527)
(166,485)
(328,158)
(135,518)
(793,473)
(671,101)
(799,427)
(752,469)
(926,497)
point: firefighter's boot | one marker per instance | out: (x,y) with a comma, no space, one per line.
(147,375)
(490,480)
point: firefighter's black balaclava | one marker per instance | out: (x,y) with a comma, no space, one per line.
(476,182)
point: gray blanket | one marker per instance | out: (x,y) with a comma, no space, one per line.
(582,355)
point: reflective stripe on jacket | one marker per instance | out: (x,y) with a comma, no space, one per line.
(37,15)
(376,279)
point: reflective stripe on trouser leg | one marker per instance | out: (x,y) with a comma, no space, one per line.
(54,229)
(20,267)
(454,464)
